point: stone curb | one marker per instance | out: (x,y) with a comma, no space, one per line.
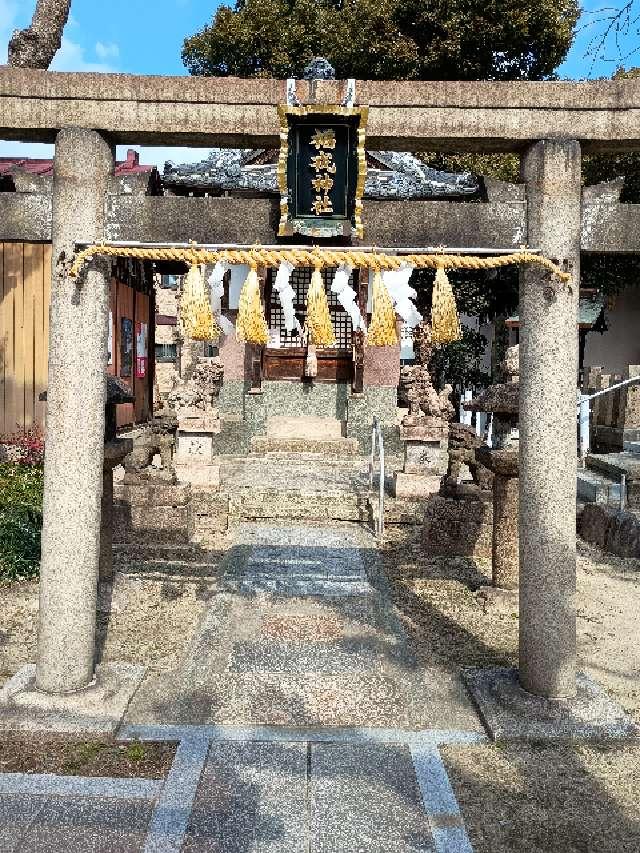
(171,815)
(49,784)
(439,800)
(427,737)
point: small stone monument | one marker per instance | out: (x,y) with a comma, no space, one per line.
(425,429)
(194,401)
(502,461)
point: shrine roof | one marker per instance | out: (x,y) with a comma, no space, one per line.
(390,174)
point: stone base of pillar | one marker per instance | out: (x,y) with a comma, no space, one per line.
(97,709)
(509,713)
(415,485)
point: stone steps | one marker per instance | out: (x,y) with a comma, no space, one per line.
(329,448)
(335,504)
(192,560)
(596,487)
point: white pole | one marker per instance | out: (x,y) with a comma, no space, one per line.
(585,412)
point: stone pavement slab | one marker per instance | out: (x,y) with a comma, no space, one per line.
(278,646)
(251,799)
(366,798)
(72,824)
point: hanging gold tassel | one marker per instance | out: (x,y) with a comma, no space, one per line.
(383,331)
(445,323)
(318,318)
(196,318)
(251,325)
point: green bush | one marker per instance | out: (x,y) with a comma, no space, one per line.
(21,489)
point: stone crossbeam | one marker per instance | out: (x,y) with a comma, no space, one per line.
(177,219)
(404,115)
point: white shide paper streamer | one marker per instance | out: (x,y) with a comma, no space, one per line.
(347,297)
(402,296)
(286,293)
(216,285)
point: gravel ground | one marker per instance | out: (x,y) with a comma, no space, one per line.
(140,621)
(548,799)
(69,756)
(532,798)
(452,625)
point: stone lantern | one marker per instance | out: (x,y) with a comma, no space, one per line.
(502,460)
(115,450)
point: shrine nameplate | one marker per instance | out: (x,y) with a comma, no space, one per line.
(322,170)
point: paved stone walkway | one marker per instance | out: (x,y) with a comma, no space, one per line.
(302,632)
(250,791)
(306,724)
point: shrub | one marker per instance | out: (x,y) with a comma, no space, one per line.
(21,491)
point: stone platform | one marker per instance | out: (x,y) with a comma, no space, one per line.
(510,713)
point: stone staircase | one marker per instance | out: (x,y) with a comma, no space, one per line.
(600,481)
(296,486)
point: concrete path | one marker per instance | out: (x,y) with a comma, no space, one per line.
(302,632)
(305,723)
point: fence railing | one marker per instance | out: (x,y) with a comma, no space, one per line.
(584,413)
(377,439)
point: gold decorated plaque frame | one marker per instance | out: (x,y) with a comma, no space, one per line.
(286,228)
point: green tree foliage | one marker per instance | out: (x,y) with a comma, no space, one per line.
(486,294)
(387,39)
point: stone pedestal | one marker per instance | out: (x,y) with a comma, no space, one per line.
(505,547)
(148,512)
(548,459)
(114,452)
(195,439)
(79,315)
(425,457)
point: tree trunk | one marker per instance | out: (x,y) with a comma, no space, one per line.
(35,46)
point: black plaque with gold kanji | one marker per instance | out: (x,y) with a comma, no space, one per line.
(322,170)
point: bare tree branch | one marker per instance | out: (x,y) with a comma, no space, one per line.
(35,46)
(614,24)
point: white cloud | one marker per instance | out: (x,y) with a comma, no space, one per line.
(72,57)
(107,51)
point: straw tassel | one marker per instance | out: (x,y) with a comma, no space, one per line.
(251,325)
(196,318)
(383,331)
(318,318)
(445,323)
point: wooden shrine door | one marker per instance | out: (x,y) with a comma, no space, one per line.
(284,357)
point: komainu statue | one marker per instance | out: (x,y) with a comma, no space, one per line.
(424,400)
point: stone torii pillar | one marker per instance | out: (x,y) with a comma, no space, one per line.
(548,461)
(84,162)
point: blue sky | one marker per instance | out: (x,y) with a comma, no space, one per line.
(141,37)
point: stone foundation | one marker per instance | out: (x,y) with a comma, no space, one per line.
(151,513)
(459,526)
(612,530)
(244,414)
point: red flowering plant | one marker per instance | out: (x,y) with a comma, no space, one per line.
(25,448)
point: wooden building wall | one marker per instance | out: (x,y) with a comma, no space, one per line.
(25,289)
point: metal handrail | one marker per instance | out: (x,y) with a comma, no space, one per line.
(376,435)
(584,412)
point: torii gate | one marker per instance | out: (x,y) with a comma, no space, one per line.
(549,124)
